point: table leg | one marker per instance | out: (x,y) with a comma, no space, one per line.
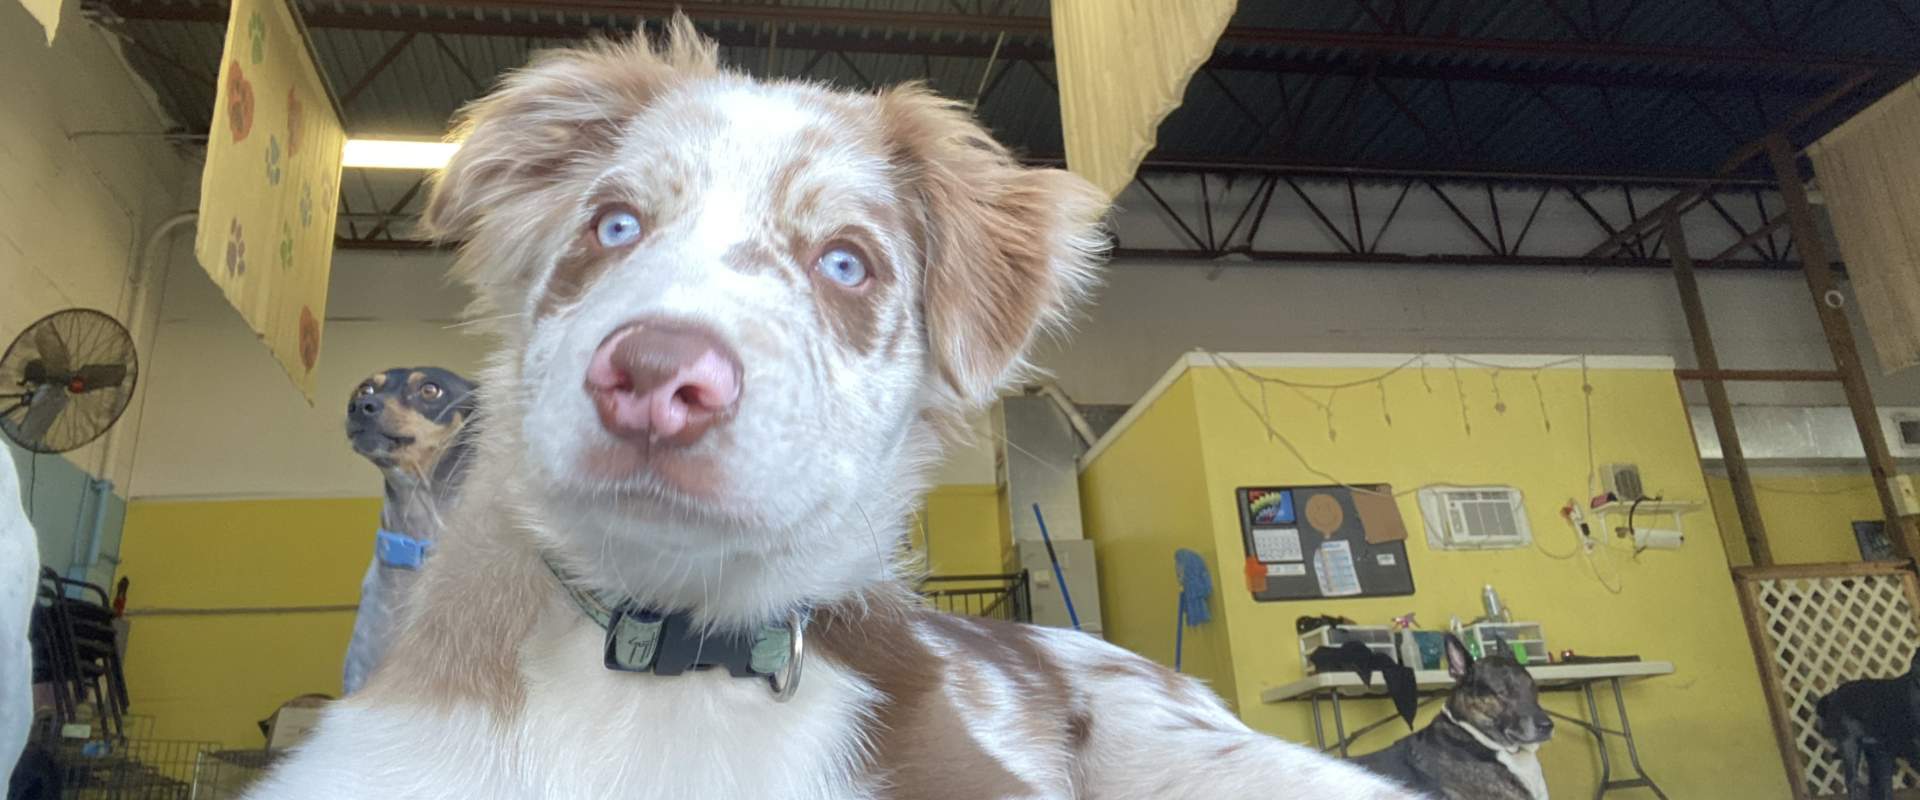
(1626,732)
(1339,724)
(1319,728)
(1600,739)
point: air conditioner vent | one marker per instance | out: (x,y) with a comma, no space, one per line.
(1475,518)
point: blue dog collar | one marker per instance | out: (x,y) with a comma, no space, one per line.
(400,550)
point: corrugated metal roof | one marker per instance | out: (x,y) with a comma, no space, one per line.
(1322,104)
(1351,119)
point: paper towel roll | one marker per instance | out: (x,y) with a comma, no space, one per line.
(1658,539)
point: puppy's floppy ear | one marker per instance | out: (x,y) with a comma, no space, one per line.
(1008,250)
(564,108)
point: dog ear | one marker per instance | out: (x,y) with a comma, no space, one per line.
(1007,250)
(1458,659)
(468,402)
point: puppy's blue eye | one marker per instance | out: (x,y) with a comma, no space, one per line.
(617,227)
(843,266)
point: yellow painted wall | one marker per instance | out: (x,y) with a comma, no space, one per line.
(1809,517)
(1141,499)
(959,530)
(212,677)
(1703,732)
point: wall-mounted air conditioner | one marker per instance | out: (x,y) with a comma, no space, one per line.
(1475,518)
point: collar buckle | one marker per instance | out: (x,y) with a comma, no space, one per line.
(398,550)
(785,686)
(667,644)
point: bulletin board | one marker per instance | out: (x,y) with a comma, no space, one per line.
(1315,542)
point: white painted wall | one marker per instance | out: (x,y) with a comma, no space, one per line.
(74,208)
(225,422)
(1150,313)
(229,425)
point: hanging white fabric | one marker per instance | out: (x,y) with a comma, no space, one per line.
(1123,66)
(1869,174)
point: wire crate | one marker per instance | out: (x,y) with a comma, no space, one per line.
(156,769)
(227,774)
(132,769)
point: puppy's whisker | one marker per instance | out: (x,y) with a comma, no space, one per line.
(879,558)
(440,417)
(482,320)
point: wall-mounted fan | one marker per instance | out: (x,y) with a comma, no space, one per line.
(65,380)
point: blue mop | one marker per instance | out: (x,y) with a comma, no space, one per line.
(1058,576)
(1196,585)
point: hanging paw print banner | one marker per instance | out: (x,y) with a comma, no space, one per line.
(268,193)
(1124,65)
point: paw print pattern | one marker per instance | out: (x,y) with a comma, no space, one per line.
(286,246)
(273,161)
(306,204)
(239,102)
(236,250)
(309,338)
(295,117)
(257,35)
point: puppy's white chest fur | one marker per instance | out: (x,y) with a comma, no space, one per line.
(586,731)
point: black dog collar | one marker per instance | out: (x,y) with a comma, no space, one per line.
(647,640)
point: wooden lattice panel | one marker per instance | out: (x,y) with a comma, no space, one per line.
(1816,631)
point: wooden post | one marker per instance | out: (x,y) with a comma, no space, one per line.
(1846,356)
(1708,364)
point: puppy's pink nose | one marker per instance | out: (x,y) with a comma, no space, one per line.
(663,382)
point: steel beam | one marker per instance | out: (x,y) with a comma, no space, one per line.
(1751,239)
(374,72)
(1251,257)
(1226,225)
(393,213)
(1686,201)
(1193,165)
(1255,256)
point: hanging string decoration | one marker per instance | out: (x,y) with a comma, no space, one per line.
(1325,396)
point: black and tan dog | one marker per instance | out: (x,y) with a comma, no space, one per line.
(1483,745)
(1873,723)
(409,423)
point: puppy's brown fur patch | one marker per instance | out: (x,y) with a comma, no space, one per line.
(917,733)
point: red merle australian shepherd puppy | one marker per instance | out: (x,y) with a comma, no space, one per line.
(732,316)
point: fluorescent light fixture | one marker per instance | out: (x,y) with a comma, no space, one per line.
(397,154)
